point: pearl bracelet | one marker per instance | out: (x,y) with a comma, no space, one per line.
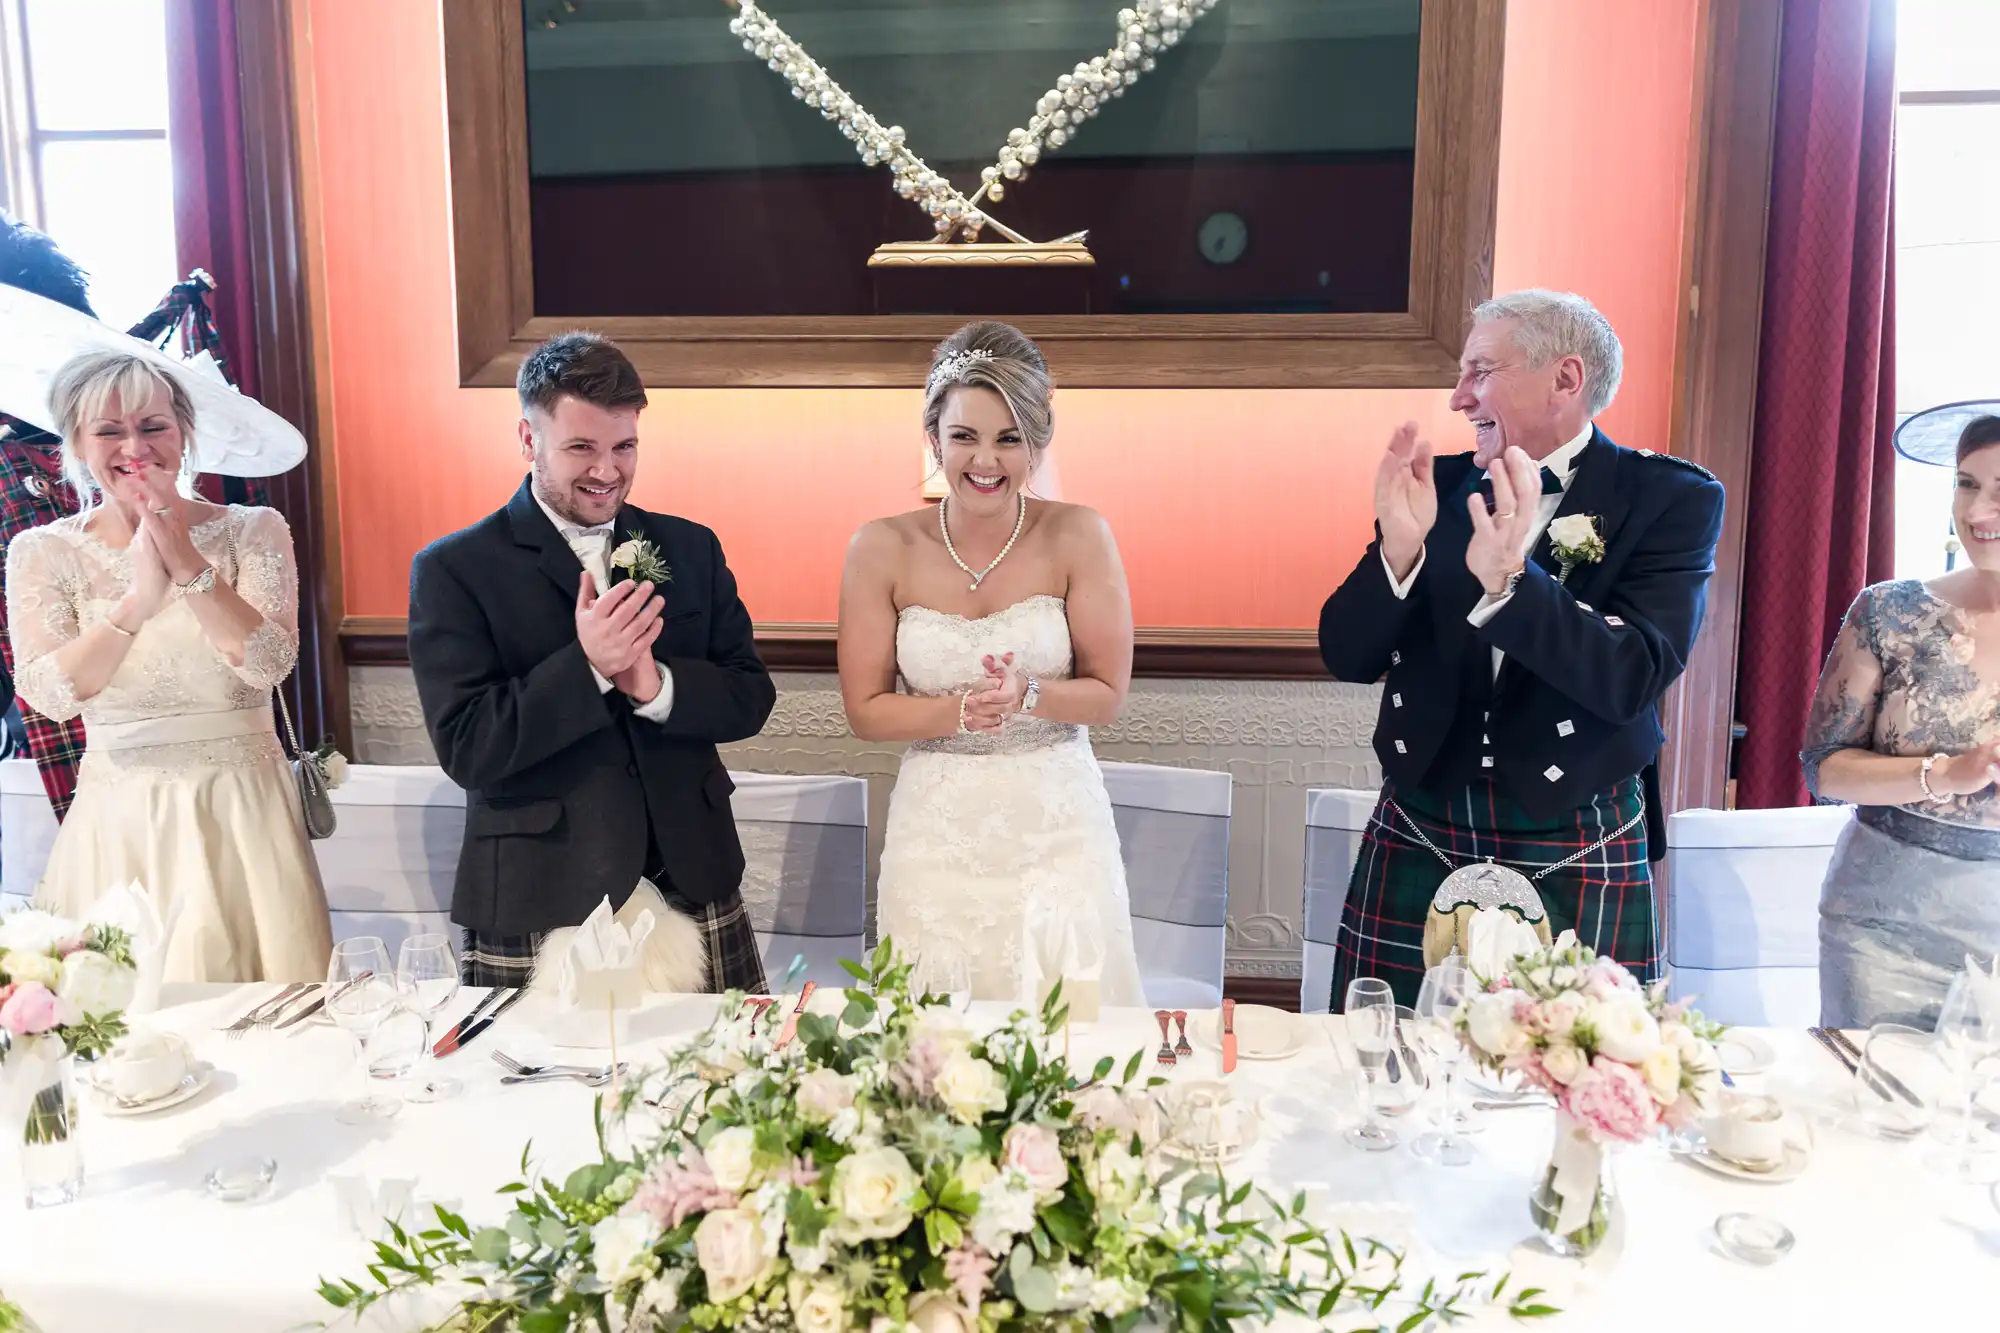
(963,699)
(1924,779)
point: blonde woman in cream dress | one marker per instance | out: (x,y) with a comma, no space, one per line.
(166,622)
(1006,621)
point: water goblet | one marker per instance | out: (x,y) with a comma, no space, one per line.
(360,993)
(427,976)
(1445,990)
(1371,1026)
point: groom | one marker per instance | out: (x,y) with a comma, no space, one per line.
(1528,604)
(578,660)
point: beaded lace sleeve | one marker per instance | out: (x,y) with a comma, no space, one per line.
(267,578)
(42,591)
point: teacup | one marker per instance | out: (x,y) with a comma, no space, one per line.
(144,1066)
(1750,1131)
(1209,1123)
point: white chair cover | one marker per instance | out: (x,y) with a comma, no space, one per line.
(388,868)
(1336,817)
(1744,907)
(1173,834)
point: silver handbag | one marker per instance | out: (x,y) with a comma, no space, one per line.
(315,798)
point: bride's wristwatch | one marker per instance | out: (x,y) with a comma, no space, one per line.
(201,582)
(1031,696)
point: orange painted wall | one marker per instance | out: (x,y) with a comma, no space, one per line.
(1232,507)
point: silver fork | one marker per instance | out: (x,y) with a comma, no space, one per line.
(519,1070)
(589,1080)
(261,1012)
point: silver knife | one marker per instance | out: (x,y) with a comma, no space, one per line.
(319,1003)
(487,1021)
(448,1043)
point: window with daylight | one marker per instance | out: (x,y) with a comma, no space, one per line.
(85,147)
(1947,243)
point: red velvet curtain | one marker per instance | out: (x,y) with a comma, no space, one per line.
(211,211)
(1822,494)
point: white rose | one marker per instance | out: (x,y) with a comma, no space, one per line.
(824,1094)
(871,1195)
(1625,1031)
(1573,530)
(622,1244)
(1490,1023)
(970,1088)
(33,931)
(1564,1062)
(22,967)
(1662,1072)
(935,1312)
(729,1246)
(95,984)
(729,1155)
(817,1307)
(626,554)
(335,768)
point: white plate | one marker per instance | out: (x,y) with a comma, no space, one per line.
(1796,1157)
(191,1085)
(1262,1033)
(1744,1053)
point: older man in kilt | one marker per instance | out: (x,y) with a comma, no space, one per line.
(1525,605)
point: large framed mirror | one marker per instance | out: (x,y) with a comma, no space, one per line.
(1290,193)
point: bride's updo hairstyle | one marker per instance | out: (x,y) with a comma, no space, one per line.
(998,357)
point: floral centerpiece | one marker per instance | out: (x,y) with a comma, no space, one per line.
(1620,1060)
(64,988)
(889,1171)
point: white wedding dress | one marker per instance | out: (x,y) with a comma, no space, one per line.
(183,785)
(991,838)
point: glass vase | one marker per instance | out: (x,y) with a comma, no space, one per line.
(1576,1200)
(51,1153)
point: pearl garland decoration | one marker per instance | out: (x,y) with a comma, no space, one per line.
(1145,29)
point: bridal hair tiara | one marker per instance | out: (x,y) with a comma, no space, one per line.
(951,369)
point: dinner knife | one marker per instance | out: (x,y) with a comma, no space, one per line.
(1819,1035)
(319,1002)
(1229,1036)
(450,1040)
(488,1021)
(791,1027)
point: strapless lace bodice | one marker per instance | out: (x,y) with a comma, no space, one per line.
(938,653)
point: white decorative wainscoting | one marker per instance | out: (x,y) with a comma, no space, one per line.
(1274,738)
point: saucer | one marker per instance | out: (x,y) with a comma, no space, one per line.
(1262,1033)
(190,1087)
(1744,1053)
(1797,1157)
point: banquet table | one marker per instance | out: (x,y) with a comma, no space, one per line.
(1881,1240)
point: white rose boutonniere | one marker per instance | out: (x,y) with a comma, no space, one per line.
(641,561)
(1576,541)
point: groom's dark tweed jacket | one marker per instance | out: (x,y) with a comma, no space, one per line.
(565,785)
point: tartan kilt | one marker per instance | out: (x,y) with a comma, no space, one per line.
(734,962)
(1606,898)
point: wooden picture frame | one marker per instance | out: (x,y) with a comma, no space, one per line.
(1461,45)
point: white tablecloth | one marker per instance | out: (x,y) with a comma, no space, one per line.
(1881,1242)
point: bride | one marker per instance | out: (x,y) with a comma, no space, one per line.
(1007,623)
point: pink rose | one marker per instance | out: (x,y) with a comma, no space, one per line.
(1558,1016)
(1612,1102)
(729,1247)
(1036,1153)
(33,1008)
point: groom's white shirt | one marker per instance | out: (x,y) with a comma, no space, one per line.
(592,547)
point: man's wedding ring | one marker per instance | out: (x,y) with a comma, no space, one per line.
(1508,514)
(164,513)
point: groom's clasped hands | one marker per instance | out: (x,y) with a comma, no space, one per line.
(617,631)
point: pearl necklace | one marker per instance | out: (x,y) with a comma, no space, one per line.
(944,531)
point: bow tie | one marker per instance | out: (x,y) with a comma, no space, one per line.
(1551,485)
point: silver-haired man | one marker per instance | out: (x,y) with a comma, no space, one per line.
(1525,605)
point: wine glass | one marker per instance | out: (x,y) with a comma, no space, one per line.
(427,976)
(1445,991)
(1371,1025)
(952,977)
(1968,1033)
(360,993)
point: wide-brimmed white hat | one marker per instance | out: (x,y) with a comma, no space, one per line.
(234,434)
(1931,436)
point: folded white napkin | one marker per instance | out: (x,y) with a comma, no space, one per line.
(605,965)
(135,909)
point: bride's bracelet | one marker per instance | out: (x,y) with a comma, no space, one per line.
(963,699)
(1924,779)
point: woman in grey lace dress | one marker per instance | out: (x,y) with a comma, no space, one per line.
(1906,725)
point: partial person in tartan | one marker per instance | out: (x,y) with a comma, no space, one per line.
(578,660)
(34,493)
(1525,605)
